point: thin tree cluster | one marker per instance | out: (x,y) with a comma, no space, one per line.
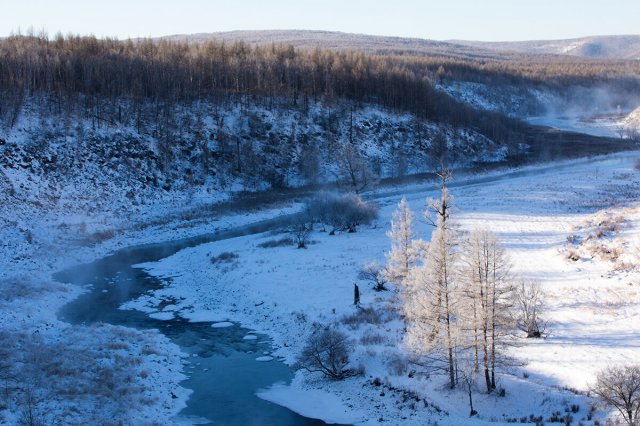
(460,303)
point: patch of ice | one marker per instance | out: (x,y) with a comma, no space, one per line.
(164,316)
(222,324)
(315,404)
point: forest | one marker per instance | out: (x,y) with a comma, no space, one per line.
(85,71)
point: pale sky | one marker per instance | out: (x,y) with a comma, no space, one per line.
(489,20)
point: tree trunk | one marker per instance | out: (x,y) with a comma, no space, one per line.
(452,377)
(485,353)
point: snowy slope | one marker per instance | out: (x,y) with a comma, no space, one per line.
(615,46)
(632,121)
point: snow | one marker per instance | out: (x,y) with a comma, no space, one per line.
(223,324)
(601,125)
(315,404)
(164,316)
(281,291)
(265,358)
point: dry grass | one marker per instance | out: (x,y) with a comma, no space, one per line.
(87,366)
(224,257)
(601,237)
(282,242)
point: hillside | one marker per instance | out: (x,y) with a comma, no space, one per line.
(371,44)
(604,47)
(612,47)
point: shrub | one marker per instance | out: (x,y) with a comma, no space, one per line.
(282,242)
(300,233)
(375,274)
(362,316)
(372,339)
(573,255)
(326,351)
(224,257)
(342,212)
(530,306)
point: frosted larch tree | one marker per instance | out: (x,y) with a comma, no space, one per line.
(403,254)
(487,292)
(432,303)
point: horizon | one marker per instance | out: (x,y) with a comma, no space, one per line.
(493,21)
(42,32)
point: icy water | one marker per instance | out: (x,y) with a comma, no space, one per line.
(222,368)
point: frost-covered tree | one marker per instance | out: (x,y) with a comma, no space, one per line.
(488,295)
(432,300)
(403,254)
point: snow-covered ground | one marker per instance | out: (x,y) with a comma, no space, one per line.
(593,301)
(608,125)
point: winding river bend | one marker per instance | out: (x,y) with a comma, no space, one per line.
(222,369)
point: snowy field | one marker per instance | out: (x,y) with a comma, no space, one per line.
(548,219)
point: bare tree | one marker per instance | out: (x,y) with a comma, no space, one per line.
(301,231)
(353,168)
(468,374)
(343,212)
(375,274)
(530,306)
(326,351)
(620,387)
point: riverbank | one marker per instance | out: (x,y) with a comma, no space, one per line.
(265,287)
(283,292)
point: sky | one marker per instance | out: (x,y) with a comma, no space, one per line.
(486,20)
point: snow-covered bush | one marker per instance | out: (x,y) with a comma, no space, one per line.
(326,351)
(342,212)
(51,381)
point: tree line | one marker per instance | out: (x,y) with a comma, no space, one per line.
(87,71)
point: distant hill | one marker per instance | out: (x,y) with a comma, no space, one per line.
(345,41)
(614,47)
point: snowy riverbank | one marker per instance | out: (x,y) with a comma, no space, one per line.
(282,291)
